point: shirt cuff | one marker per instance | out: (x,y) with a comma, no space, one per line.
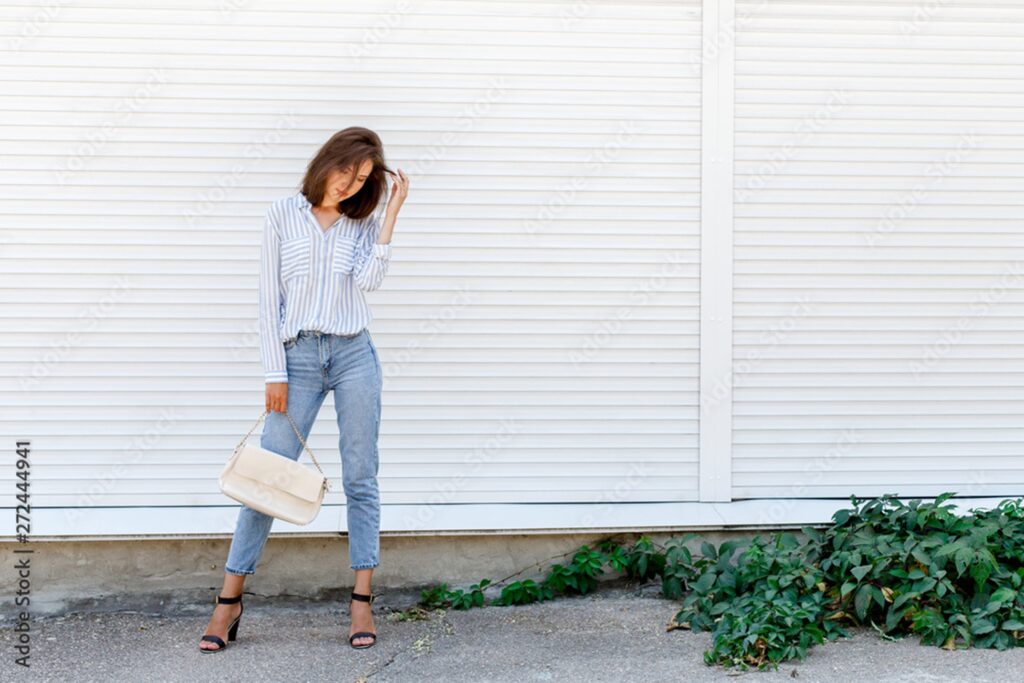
(382,250)
(276,377)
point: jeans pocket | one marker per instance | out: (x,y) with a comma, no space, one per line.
(376,358)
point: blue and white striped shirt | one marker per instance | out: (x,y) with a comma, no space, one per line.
(313,278)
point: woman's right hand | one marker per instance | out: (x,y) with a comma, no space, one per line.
(277,396)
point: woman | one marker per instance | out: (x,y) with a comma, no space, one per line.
(322,248)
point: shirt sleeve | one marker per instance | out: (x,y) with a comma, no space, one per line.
(271,303)
(372,259)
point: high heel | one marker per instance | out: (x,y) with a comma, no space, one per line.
(232,629)
(363,634)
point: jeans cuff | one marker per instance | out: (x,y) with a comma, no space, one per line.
(238,572)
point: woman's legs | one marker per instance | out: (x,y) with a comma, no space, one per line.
(306,393)
(362,615)
(279,436)
(357,402)
(223,615)
(350,366)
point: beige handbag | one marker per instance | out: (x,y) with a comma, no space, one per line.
(273,483)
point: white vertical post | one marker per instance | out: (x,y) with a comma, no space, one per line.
(716,226)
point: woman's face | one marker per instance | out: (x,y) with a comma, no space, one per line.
(343,184)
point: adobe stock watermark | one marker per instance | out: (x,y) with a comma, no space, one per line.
(87,321)
(375,35)
(42,16)
(222,519)
(770,338)
(445,491)
(724,37)
(980,307)
(806,128)
(638,296)
(922,14)
(570,13)
(124,110)
(621,491)
(252,154)
(247,341)
(433,325)
(227,8)
(934,174)
(466,121)
(565,194)
(101,486)
(208,555)
(978,481)
(813,471)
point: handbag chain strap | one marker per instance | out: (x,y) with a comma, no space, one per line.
(297,433)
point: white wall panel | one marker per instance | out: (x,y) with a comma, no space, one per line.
(879,287)
(537,327)
(541,324)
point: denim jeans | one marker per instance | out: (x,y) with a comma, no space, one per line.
(319,362)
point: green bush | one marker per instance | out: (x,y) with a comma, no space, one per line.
(900,567)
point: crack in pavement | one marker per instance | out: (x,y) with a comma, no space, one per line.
(439,626)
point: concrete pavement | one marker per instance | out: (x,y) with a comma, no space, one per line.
(616,634)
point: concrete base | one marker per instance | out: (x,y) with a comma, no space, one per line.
(170,575)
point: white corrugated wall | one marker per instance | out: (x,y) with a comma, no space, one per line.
(879,283)
(548,328)
(537,327)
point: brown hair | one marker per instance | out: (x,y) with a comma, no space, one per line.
(347,148)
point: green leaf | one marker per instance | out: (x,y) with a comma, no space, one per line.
(982,626)
(963,558)
(980,572)
(921,556)
(672,587)
(902,598)
(704,583)
(861,571)
(894,616)
(861,600)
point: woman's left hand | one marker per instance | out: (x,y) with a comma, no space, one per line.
(399,191)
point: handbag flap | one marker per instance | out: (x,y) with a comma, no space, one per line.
(280,472)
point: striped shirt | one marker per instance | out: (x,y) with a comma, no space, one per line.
(312,278)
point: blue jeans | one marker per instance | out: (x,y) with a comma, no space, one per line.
(319,362)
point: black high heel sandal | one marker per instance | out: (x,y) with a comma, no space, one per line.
(363,634)
(232,629)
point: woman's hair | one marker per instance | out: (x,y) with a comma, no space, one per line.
(347,148)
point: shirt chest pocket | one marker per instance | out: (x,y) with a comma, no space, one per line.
(344,258)
(295,258)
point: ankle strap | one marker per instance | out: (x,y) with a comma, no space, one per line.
(365,598)
(228,601)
